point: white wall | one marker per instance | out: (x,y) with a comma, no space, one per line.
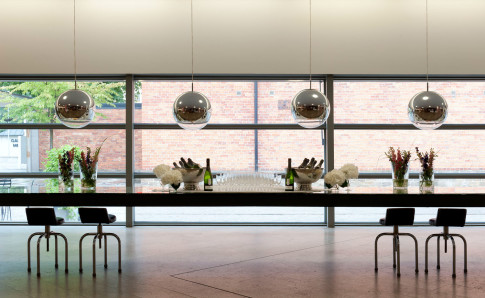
(242,36)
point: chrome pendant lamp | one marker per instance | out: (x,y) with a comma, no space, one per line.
(75,108)
(427,110)
(310,108)
(192,110)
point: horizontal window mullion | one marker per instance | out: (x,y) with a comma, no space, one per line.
(216,77)
(13,175)
(60,126)
(19,77)
(405,126)
(248,126)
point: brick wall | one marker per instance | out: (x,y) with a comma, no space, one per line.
(233,102)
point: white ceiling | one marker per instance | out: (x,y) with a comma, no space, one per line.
(242,36)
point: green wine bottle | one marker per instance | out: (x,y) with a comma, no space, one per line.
(208,177)
(290,179)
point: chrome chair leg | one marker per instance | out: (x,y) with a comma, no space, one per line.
(56,250)
(29,269)
(465,247)
(375,247)
(38,254)
(394,252)
(81,250)
(415,248)
(398,256)
(119,249)
(94,255)
(66,270)
(454,256)
(438,252)
(105,251)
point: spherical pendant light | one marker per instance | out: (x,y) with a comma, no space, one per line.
(427,110)
(192,110)
(310,108)
(75,108)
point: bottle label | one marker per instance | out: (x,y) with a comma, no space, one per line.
(289,187)
(208,187)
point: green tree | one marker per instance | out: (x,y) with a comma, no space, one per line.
(35,101)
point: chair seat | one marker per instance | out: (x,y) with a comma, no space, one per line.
(382,221)
(432,221)
(60,220)
(112,218)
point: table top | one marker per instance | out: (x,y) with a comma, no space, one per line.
(363,193)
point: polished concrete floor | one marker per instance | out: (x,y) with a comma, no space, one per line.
(242,262)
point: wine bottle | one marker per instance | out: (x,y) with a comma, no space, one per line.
(319,164)
(186,165)
(290,179)
(208,177)
(181,164)
(176,165)
(304,163)
(310,164)
(190,162)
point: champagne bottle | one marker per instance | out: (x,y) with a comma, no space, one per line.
(319,164)
(290,179)
(181,164)
(190,162)
(186,166)
(208,177)
(310,164)
(176,165)
(304,163)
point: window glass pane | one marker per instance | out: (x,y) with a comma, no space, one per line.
(33,101)
(229,150)
(232,102)
(373,214)
(274,99)
(458,151)
(70,214)
(385,102)
(29,150)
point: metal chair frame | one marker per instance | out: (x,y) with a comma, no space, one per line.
(446,235)
(47,234)
(396,253)
(99,235)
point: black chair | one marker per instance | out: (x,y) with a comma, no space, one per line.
(397,217)
(447,218)
(44,217)
(98,216)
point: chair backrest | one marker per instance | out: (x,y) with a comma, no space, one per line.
(451,217)
(400,217)
(41,216)
(94,215)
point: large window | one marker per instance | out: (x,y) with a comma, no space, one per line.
(32,150)
(383,104)
(236,103)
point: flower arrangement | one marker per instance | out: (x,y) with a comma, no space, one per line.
(88,165)
(427,173)
(172,177)
(65,168)
(350,171)
(400,166)
(333,178)
(160,170)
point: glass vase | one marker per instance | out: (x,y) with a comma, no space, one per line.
(426,182)
(400,177)
(174,187)
(89,177)
(345,186)
(66,180)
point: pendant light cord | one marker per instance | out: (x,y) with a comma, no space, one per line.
(427,50)
(310,44)
(192,39)
(75,65)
